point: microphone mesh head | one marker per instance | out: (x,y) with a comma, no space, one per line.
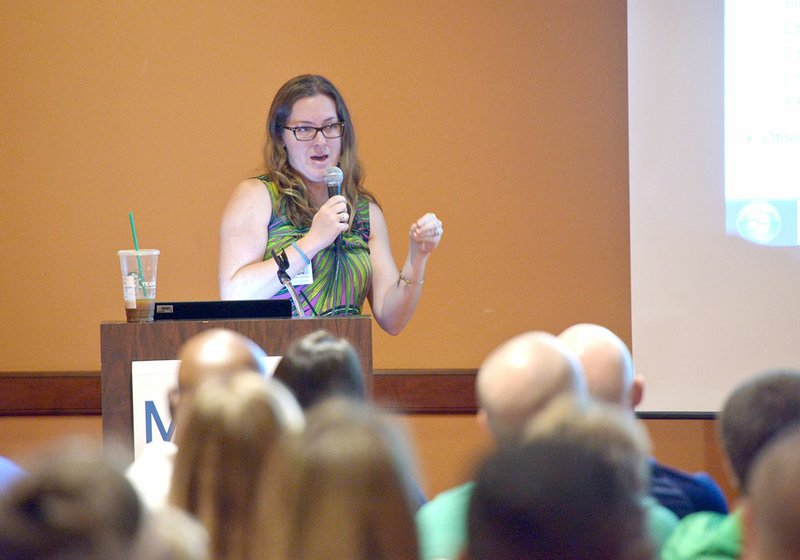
(333,176)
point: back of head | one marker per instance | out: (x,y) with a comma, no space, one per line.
(606,361)
(319,365)
(620,437)
(74,504)
(752,415)
(351,495)
(230,430)
(216,352)
(774,498)
(554,498)
(522,376)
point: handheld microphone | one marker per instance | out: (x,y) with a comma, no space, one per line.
(333,178)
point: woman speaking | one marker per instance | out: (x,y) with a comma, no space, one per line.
(334,248)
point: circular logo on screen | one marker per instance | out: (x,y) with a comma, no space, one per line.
(759,222)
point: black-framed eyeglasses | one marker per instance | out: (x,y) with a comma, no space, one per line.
(308,133)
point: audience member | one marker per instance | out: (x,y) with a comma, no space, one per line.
(208,354)
(771,513)
(521,377)
(516,381)
(753,414)
(74,504)
(228,434)
(319,365)
(211,353)
(349,493)
(618,434)
(610,377)
(572,489)
(595,423)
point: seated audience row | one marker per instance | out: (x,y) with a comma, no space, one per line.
(255,479)
(267,483)
(300,465)
(515,383)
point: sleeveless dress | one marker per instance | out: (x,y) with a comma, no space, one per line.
(341,280)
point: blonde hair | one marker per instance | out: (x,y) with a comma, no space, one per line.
(227,439)
(351,490)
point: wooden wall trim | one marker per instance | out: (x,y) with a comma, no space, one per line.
(435,391)
(52,393)
(442,391)
(56,393)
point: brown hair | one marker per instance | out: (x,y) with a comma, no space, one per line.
(351,491)
(228,436)
(319,365)
(757,409)
(572,488)
(74,503)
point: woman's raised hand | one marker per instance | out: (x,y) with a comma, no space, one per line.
(426,233)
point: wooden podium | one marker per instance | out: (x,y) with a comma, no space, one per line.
(122,343)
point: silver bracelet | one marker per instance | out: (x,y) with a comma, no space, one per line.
(407,282)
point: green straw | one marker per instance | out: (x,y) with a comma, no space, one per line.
(138,257)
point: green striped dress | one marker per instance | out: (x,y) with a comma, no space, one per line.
(341,280)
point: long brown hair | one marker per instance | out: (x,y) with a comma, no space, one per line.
(350,487)
(291,188)
(227,437)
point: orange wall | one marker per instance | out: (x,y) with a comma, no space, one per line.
(24,437)
(508,119)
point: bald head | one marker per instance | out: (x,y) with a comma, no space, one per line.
(606,362)
(520,377)
(217,352)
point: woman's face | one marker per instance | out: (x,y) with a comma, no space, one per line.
(310,158)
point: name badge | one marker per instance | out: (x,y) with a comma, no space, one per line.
(306,276)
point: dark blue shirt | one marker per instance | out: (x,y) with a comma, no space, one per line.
(684,492)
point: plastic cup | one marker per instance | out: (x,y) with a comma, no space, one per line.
(139,283)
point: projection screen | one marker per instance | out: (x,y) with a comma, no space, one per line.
(714,148)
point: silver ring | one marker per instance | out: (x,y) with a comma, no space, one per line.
(438,230)
(342,217)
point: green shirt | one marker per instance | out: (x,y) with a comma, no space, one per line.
(705,535)
(442,523)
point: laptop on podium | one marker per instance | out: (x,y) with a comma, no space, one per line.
(233,309)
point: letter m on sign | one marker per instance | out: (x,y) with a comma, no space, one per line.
(151,416)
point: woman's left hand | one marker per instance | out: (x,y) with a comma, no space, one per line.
(426,233)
